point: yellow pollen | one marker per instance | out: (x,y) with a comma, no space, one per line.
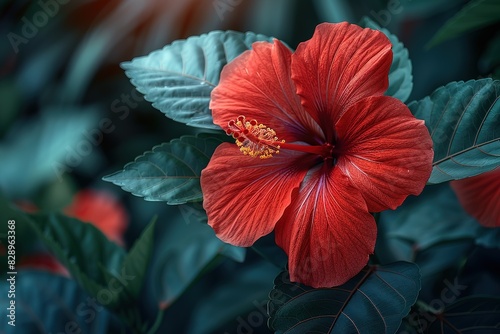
(254,139)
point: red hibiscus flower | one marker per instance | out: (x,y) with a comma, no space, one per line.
(332,149)
(45,262)
(102,210)
(480,196)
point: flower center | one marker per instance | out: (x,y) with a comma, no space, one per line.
(254,139)
(258,140)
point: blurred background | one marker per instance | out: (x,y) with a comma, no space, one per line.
(70,116)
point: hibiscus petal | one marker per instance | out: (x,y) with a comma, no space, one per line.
(480,196)
(327,231)
(385,151)
(244,197)
(101,209)
(258,85)
(341,64)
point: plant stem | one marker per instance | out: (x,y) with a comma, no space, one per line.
(157,322)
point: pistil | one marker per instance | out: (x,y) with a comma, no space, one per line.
(258,140)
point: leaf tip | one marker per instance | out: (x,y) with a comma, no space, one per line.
(111,177)
(126,65)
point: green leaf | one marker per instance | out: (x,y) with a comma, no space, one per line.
(170,172)
(463,119)
(400,73)
(476,14)
(432,230)
(79,244)
(46,147)
(434,217)
(489,237)
(374,301)
(97,264)
(185,250)
(47,303)
(136,261)
(179,78)
(474,314)
(23,232)
(211,314)
(87,254)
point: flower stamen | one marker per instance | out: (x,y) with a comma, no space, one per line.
(258,140)
(254,139)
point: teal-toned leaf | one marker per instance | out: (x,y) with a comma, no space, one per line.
(432,230)
(47,303)
(463,119)
(400,73)
(179,78)
(489,237)
(79,243)
(170,172)
(83,250)
(97,264)
(478,276)
(194,213)
(248,310)
(43,149)
(374,301)
(434,217)
(476,14)
(47,62)
(136,262)
(474,314)
(24,235)
(184,251)
(441,263)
